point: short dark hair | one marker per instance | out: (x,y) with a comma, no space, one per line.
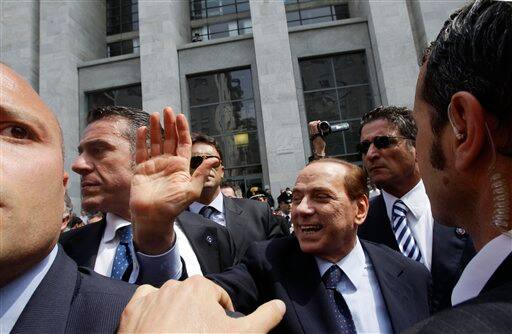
(400,117)
(473,53)
(355,179)
(198,137)
(135,118)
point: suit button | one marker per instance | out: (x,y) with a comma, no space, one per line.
(460,231)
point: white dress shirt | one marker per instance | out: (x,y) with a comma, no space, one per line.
(419,218)
(187,252)
(218,204)
(480,269)
(15,295)
(361,291)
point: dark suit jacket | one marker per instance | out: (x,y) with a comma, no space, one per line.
(248,221)
(74,300)
(279,269)
(489,312)
(451,251)
(210,242)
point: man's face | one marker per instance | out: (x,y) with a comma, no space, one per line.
(391,167)
(228,192)
(106,167)
(285,207)
(216,174)
(438,183)
(325,220)
(32,178)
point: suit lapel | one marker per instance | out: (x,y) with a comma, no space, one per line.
(203,239)
(235,226)
(447,249)
(392,287)
(377,226)
(48,308)
(308,294)
(87,244)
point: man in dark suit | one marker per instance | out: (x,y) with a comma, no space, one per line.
(41,289)
(376,290)
(462,108)
(387,147)
(106,166)
(246,220)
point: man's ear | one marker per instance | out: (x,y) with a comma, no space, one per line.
(362,205)
(467,117)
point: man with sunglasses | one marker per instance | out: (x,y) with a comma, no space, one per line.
(401,217)
(246,220)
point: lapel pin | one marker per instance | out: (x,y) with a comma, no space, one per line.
(460,231)
(209,239)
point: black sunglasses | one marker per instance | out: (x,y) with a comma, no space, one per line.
(379,142)
(197,160)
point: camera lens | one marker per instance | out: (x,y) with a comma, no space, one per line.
(324,126)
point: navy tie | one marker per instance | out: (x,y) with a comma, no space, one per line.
(207,211)
(123,262)
(403,234)
(344,320)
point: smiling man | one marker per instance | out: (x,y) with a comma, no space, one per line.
(330,280)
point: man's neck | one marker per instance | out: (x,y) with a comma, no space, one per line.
(399,190)
(208,195)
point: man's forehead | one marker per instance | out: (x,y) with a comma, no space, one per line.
(320,174)
(106,128)
(379,126)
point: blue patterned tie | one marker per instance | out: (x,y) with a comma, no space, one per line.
(123,258)
(343,317)
(403,234)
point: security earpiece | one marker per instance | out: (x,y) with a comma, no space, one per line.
(458,134)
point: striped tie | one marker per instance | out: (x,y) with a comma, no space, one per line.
(403,234)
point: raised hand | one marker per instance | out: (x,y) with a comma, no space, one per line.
(162,186)
(196,305)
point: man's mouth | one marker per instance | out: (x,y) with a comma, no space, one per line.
(308,229)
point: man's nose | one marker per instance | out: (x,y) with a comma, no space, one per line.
(81,165)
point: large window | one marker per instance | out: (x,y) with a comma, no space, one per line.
(129,96)
(219,18)
(222,106)
(337,89)
(307,14)
(122,18)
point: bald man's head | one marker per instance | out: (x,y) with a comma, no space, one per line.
(32,182)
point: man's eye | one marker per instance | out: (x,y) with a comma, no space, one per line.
(15,131)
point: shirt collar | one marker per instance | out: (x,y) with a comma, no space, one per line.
(480,269)
(217,203)
(16,295)
(114,222)
(415,199)
(353,264)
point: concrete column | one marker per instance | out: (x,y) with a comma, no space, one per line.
(19,38)
(394,51)
(278,96)
(70,32)
(163,26)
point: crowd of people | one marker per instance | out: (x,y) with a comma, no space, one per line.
(430,253)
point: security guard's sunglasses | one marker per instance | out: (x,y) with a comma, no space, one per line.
(197,160)
(380,142)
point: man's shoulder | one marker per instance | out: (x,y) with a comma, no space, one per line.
(487,313)
(248,203)
(94,283)
(277,249)
(89,229)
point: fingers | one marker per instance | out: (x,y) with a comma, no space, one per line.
(266,317)
(201,174)
(313,127)
(223,298)
(184,144)
(170,133)
(155,134)
(141,152)
(143,291)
